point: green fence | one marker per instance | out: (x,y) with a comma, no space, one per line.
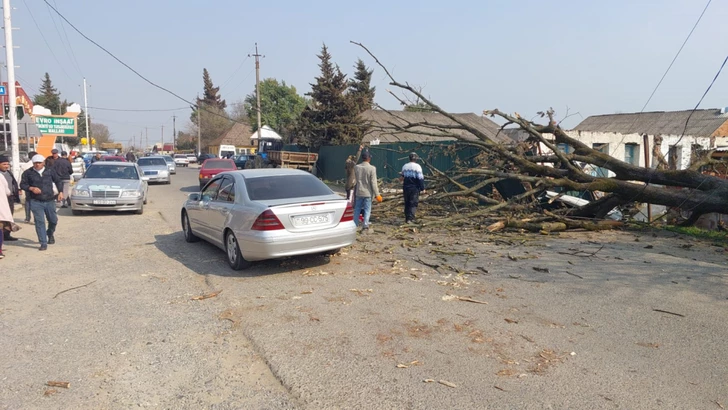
(389,158)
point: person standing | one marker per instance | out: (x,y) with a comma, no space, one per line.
(350,177)
(366,189)
(40,181)
(6,214)
(24,167)
(64,169)
(130,157)
(413,182)
(97,157)
(13,197)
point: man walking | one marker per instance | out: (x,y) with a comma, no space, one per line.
(366,189)
(24,167)
(64,169)
(40,181)
(413,182)
(13,197)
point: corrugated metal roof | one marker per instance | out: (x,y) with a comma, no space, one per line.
(703,123)
(383,130)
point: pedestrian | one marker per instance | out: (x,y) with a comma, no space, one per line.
(6,215)
(96,157)
(366,189)
(350,176)
(130,156)
(64,169)
(44,184)
(14,196)
(413,182)
(24,167)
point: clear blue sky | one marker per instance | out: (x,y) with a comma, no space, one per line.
(525,56)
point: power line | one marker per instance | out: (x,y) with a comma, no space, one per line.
(140,110)
(237,69)
(131,69)
(63,43)
(70,46)
(45,40)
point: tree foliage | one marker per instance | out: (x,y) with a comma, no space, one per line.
(100,133)
(280,105)
(214,123)
(360,88)
(49,97)
(332,116)
(211,98)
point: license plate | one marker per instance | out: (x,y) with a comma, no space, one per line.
(310,220)
(104,202)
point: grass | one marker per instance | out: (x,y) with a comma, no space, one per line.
(718,236)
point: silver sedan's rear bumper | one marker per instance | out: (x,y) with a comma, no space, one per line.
(263,245)
(98,204)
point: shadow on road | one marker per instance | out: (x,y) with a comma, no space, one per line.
(206,259)
(192,188)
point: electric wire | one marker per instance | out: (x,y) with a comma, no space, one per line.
(70,45)
(140,110)
(32,16)
(63,43)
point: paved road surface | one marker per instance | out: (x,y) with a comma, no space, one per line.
(369,328)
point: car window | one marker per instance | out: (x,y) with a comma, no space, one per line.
(218,164)
(227,190)
(145,162)
(110,171)
(285,187)
(209,193)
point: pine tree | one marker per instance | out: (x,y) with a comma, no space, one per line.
(360,88)
(49,96)
(211,94)
(332,117)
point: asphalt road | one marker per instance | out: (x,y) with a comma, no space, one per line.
(403,319)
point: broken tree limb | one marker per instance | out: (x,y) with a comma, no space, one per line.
(75,287)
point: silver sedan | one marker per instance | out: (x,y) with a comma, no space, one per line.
(155,169)
(110,186)
(260,214)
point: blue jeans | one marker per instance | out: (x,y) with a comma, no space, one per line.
(364,203)
(41,210)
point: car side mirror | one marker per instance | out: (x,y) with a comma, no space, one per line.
(195,197)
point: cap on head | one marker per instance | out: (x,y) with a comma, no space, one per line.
(4,158)
(64,154)
(366,155)
(413,156)
(54,151)
(38,158)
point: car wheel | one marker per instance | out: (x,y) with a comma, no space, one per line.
(145,200)
(140,210)
(169,181)
(234,257)
(76,212)
(187,229)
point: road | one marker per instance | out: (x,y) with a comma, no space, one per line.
(403,319)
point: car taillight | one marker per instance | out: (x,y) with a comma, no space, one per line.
(267,221)
(348,213)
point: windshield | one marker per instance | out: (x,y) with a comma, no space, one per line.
(97,171)
(168,159)
(145,162)
(285,187)
(218,164)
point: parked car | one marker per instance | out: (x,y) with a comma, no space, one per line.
(113,158)
(181,160)
(154,169)
(192,158)
(202,157)
(212,167)
(110,186)
(260,214)
(170,163)
(240,160)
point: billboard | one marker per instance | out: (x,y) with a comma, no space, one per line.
(56,125)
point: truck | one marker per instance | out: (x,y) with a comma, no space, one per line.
(113,148)
(270,155)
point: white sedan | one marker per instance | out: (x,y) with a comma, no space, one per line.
(181,160)
(260,214)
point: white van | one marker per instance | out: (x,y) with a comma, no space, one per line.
(226,150)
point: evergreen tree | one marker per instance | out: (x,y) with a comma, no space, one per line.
(211,94)
(360,88)
(332,117)
(280,107)
(49,96)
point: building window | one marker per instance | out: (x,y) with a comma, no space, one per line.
(631,154)
(565,148)
(599,171)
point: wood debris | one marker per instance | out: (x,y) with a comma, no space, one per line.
(668,312)
(75,287)
(447,383)
(65,385)
(207,296)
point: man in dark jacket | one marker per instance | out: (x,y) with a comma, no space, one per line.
(39,181)
(14,197)
(64,169)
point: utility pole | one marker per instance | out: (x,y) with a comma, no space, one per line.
(85,104)
(257,85)
(10,90)
(146,137)
(199,128)
(174,132)
(162,138)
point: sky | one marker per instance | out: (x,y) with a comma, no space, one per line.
(579,57)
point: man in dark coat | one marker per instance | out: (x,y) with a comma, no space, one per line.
(40,181)
(64,169)
(14,197)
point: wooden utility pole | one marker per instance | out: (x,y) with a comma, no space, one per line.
(199,128)
(257,85)
(174,132)
(162,138)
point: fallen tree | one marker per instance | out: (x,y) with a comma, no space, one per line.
(688,190)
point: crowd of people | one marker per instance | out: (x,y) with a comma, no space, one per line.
(362,186)
(45,181)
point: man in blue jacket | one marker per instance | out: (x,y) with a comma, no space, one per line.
(413,182)
(40,181)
